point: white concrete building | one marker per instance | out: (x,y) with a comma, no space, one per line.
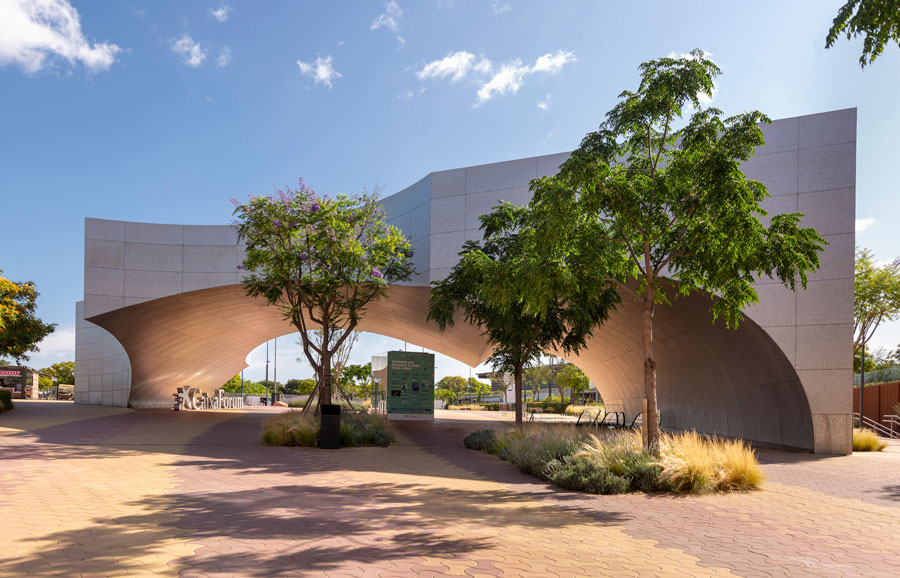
(163,305)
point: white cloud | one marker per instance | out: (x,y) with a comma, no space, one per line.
(500,9)
(224,57)
(388,19)
(510,78)
(322,70)
(35,32)
(409,93)
(553,63)
(544,105)
(191,52)
(340,42)
(56,347)
(455,66)
(863,224)
(221,13)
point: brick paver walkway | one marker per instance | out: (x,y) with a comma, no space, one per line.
(99,491)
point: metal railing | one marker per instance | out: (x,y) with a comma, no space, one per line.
(878,428)
(894,425)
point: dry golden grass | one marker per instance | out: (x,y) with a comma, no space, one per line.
(865,440)
(695,464)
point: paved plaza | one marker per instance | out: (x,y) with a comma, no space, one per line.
(100,491)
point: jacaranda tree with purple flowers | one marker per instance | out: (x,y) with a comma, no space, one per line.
(322,261)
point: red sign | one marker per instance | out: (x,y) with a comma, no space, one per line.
(15,373)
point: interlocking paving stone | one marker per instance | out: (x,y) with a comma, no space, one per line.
(110,492)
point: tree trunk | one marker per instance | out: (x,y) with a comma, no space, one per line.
(651,419)
(518,387)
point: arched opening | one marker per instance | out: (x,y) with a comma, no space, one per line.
(735,383)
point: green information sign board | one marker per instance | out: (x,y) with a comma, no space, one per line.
(408,385)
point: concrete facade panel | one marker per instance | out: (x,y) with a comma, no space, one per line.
(826,302)
(160,257)
(99,253)
(104,230)
(497,176)
(781,135)
(829,212)
(824,347)
(448,183)
(209,259)
(778,171)
(828,168)
(827,128)
(197,281)
(104,281)
(210,235)
(154,234)
(152,283)
(448,214)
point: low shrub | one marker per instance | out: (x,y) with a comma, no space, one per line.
(364,429)
(296,428)
(865,440)
(468,407)
(581,475)
(546,406)
(484,440)
(6,403)
(532,448)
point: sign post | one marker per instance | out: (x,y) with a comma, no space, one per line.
(409,385)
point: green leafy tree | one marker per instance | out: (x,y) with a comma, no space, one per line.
(300,386)
(357,380)
(321,261)
(64,372)
(570,377)
(477,388)
(876,297)
(679,216)
(452,383)
(877,20)
(489,285)
(20,329)
(448,395)
(233,385)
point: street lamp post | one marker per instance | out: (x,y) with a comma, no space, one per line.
(267,373)
(862,383)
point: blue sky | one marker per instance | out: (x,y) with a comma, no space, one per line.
(161,111)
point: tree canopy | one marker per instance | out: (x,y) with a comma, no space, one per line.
(321,260)
(20,328)
(489,286)
(876,296)
(877,20)
(64,372)
(668,201)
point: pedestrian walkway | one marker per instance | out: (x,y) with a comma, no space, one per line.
(133,493)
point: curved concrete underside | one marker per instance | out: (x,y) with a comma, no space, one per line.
(734,383)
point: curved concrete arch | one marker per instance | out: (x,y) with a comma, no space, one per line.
(734,383)
(163,304)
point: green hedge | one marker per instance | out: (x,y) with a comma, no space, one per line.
(6,403)
(547,406)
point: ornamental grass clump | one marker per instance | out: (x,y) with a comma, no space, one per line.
(296,428)
(695,464)
(865,440)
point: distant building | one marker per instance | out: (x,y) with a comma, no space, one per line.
(20,380)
